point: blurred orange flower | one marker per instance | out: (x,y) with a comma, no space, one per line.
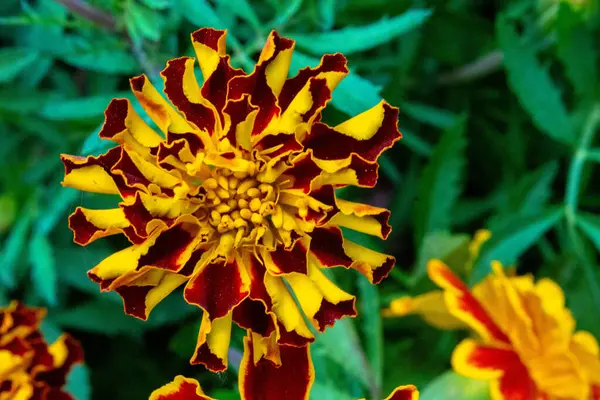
(183,388)
(524,341)
(29,367)
(236,197)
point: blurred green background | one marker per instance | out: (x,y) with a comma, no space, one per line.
(499,109)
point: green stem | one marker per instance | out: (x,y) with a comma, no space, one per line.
(572,199)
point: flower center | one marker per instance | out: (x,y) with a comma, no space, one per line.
(237,202)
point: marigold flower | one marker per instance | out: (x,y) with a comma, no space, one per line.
(29,367)
(183,388)
(237,199)
(524,340)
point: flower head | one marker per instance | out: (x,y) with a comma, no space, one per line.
(183,388)
(524,341)
(235,197)
(29,367)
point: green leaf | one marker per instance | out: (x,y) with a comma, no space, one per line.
(81,107)
(157,4)
(443,246)
(43,268)
(341,345)
(415,143)
(353,95)
(513,238)
(439,118)
(327,13)
(199,13)
(14,61)
(324,391)
(590,225)
(184,340)
(532,85)
(371,327)
(13,248)
(577,51)
(146,21)
(450,386)
(440,183)
(244,10)
(78,382)
(91,316)
(355,39)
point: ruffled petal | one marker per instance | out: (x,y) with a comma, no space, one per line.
(92,174)
(363,218)
(327,248)
(293,327)
(209,45)
(89,225)
(366,135)
(181,388)
(266,381)
(182,90)
(218,287)
(166,118)
(143,293)
(430,306)
(321,300)
(123,125)
(283,262)
(213,343)
(462,304)
(374,265)
(358,173)
(407,392)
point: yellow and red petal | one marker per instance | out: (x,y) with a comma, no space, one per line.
(166,118)
(89,225)
(462,304)
(321,300)
(267,80)
(123,125)
(430,306)
(218,287)
(292,327)
(358,173)
(480,361)
(92,174)
(332,68)
(181,388)
(372,264)
(366,135)
(177,154)
(303,173)
(213,343)
(264,380)
(406,392)
(327,248)
(283,262)
(182,90)
(209,45)
(143,293)
(240,115)
(363,218)
(66,352)
(325,205)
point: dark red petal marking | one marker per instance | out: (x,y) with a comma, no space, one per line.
(238,111)
(217,288)
(304,172)
(134,300)
(216,86)
(208,37)
(292,338)
(83,230)
(167,250)
(204,356)
(329,63)
(199,114)
(328,144)
(320,95)
(326,195)
(276,145)
(327,246)
(266,381)
(366,172)
(252,314)
(329,313)
(294,260)
(114,118)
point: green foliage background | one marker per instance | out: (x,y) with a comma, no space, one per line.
(499,110)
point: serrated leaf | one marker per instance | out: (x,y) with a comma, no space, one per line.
(532,85)
(81,107)
(577,51)
(440,183)
(512,239)
(450,386)
(450,248)
(91,316)
(14,61)
(43,268)
(355,39)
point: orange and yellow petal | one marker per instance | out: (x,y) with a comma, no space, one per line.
(264,380)
(89,225)
(406,392)
(363,218)
(181,388)
(372,264)
(430,306)
(462,304)
(92,174)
